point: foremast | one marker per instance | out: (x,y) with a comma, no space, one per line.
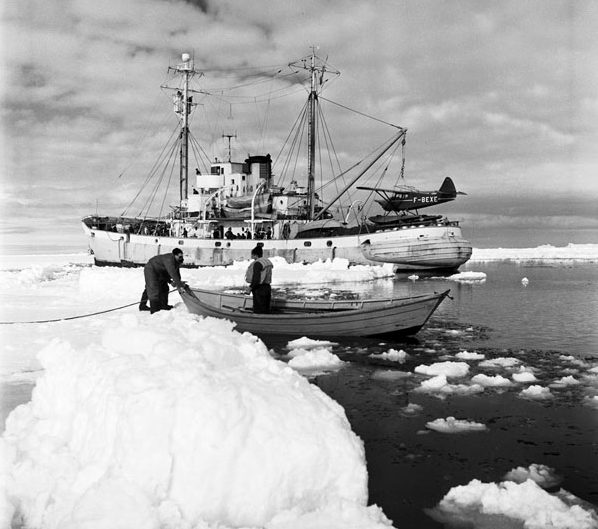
(183,105)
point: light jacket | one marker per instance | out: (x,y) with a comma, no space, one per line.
(263,266)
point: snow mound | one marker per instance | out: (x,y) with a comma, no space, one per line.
(163,425)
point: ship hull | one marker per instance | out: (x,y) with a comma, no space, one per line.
(414,248)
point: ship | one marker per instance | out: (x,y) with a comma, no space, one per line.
(234,205)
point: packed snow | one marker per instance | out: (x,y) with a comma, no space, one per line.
(175,422)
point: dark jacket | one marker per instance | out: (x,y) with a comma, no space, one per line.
(164,268)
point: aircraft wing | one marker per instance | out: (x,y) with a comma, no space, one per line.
(381,190)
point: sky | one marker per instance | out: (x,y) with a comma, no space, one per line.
(501,96)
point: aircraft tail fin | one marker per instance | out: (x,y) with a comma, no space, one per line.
(448,188)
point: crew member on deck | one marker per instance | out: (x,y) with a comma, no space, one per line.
(259,277)
(159,271)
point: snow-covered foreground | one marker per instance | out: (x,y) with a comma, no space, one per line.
(172,421)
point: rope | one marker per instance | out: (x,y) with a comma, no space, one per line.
(74,317)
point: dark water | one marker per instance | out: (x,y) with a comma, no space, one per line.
(550,325)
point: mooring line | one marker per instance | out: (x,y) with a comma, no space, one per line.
(75,317)
(70,317)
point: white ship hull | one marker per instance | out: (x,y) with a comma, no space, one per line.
(409,248)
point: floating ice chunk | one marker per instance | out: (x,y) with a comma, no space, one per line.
(393,355)
(413,277)
(308,343)
(448,369)
(319,358)
(565,381)
(466,355)
(524,376)
(543,475)
(525,281)
(486,381)
(468,277)
(390,374)
(536,392)
(412,409)
(501,361)
(526,504)
(452,425)
(592,401)
(434,383)
(574,360)
(439,386)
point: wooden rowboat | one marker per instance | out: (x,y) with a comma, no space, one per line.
(367,317)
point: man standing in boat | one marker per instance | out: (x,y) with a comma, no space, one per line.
(159,271)
(259,277)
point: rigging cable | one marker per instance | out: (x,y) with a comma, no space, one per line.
(152,171)
(362,113)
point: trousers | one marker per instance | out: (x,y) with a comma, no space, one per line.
(262,295)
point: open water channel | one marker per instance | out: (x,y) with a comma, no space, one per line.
(548,324)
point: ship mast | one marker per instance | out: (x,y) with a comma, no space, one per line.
(316,66)
(183,104)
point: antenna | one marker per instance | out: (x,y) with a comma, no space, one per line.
(229,136)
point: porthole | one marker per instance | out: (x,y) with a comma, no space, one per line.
(329,243)
(307,243)
(181,242)
(217,244)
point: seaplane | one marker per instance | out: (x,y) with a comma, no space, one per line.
(405,198)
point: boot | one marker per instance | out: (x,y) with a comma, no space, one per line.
(166,307)
(143,307)
(154,306)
